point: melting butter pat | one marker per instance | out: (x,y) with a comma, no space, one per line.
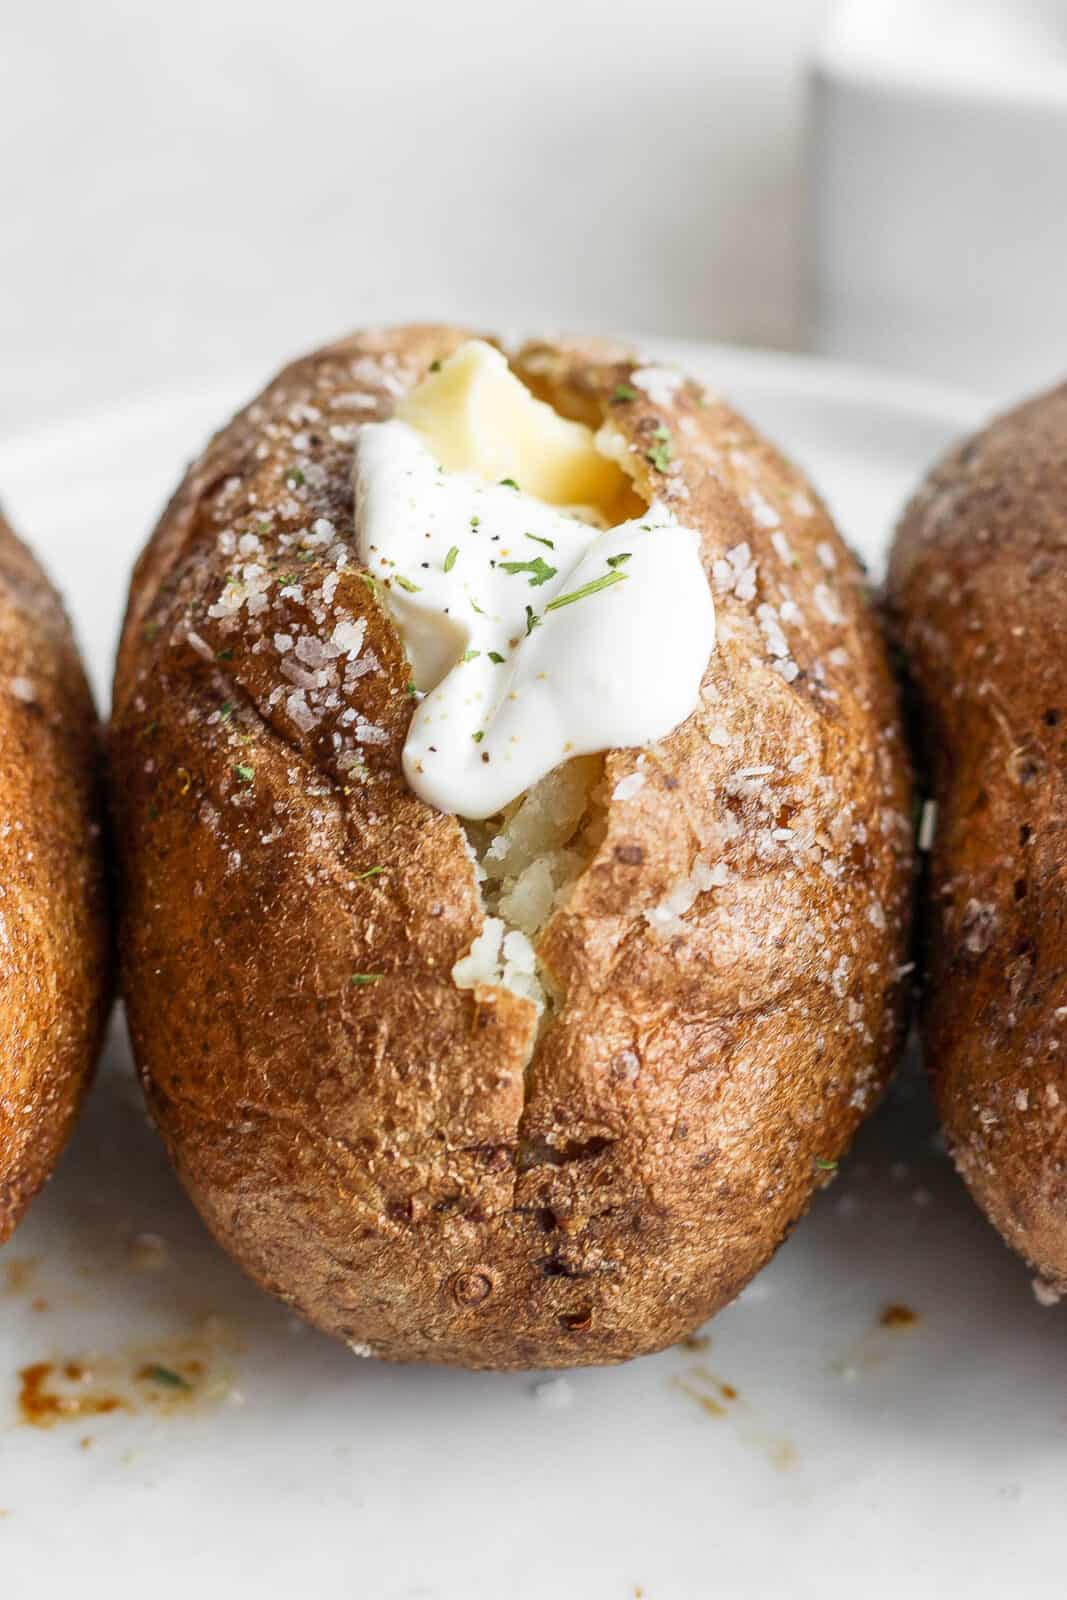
(475,416)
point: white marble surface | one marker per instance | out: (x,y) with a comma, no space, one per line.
(190,189)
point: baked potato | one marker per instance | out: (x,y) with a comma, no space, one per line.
(977,576)
(54,938)
(545,1086)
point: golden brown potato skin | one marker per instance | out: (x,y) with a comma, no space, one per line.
(54,951)
(374,1153)
(977,591)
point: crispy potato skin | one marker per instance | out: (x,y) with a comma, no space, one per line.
(379,1154)
(54,942)
(976,593)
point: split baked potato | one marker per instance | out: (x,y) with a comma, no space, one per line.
(976,594)
(54,941)
(548,1086)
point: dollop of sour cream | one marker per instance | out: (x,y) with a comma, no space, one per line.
(533,635)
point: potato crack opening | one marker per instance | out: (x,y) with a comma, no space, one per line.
(527,860)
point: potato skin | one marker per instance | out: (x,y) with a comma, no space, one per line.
(380,1155)
(54,939)
(977,591)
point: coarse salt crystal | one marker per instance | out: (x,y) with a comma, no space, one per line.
(300,712)
(827,604)
(659,383)
(763,514)
(783,548)
(348,636)
(777,644)
(201,646)
(627,787)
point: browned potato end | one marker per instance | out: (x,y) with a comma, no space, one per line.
(53,924)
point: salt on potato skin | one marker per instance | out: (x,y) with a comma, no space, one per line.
(977,597)
(437,1172)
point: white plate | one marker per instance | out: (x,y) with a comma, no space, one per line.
(855,1459)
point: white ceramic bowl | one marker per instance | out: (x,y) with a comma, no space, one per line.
(937,198)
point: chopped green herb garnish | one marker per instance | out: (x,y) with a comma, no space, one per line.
(478,737)
(450,559)
(412,692)
(476,607)
(469,655)
(406,583)
(371,581)
(150,630)
(305,555)
(294,478)
(435,366)
(587,588)
(508,483)
(619,560)
(224,655)
(496,657)
(538,568)
(226,711)
(167,1376)
(371,872)
(476,522)
(825,1166)
(539,540)
(361,979)
(622,393)
(661,451)
(532,620)
(246,774)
